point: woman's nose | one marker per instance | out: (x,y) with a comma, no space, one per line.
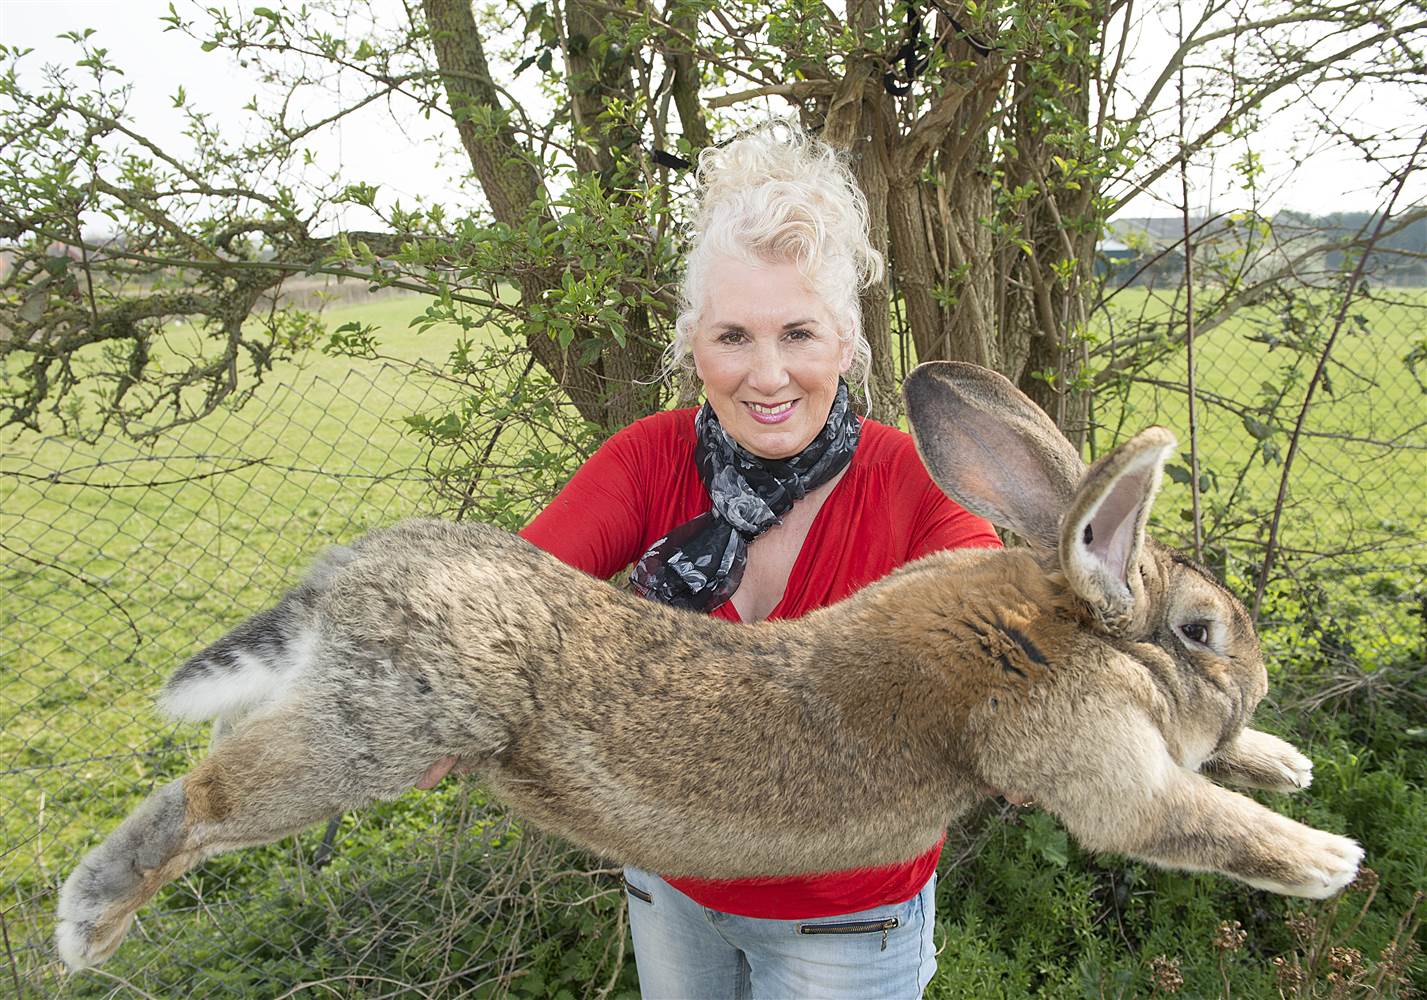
(768,373)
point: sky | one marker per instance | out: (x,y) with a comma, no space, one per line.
(401,157)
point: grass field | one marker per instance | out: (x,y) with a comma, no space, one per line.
(1367,426)
(110,580)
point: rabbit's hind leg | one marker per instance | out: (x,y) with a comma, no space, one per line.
(271,777)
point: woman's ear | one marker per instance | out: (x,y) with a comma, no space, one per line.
(845,358)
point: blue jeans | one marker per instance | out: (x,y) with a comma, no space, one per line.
(685,951)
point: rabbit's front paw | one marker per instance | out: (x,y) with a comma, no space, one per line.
(1324,863)
(1295,770)
(1261,760)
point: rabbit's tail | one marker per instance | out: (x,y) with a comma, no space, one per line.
(255,664)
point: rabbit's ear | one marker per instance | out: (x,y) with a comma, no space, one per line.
(991,449)
(1104,527)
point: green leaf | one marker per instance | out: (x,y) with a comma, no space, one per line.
(1045,837)
(354,339)
(1178,473)
(1257,428)
(590,351)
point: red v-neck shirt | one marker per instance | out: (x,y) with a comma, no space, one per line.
(884,512)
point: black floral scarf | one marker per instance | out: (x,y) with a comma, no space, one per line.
(699,564)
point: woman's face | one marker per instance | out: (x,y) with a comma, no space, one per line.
(768,354)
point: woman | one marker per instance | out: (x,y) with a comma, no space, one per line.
(809,503)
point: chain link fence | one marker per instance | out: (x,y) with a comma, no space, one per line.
(120,561)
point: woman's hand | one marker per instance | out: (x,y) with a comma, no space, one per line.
(436,772)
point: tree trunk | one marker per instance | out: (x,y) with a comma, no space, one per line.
(941,210)
(859,120)
(964,205)
(870,168)
(685,84)
(607,392)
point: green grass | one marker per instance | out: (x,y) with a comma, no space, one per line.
(1021,921)
(110,581)
(1370,395)
(107,587)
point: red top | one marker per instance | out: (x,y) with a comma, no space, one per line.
(884,512)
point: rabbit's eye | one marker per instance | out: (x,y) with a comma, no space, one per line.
(1197,632)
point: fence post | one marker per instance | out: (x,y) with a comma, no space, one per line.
(10,956)
(324,851)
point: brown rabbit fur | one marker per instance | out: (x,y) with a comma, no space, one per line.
(1096,672)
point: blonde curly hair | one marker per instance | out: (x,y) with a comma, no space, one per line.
(778,194)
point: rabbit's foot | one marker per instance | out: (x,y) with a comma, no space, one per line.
(1258,760)
(97,902)
(1324,864)
(1295,769)
(1283,768)
(85,943)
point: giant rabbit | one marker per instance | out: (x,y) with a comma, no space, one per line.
(1096,671)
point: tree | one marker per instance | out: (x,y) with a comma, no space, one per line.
(993,141)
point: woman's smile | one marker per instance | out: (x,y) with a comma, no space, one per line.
(771,413)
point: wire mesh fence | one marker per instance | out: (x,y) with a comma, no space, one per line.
(122,560)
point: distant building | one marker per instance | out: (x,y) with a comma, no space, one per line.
(1115,260)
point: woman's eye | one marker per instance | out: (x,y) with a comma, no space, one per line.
(1196,632)
(800,334)
(730,337)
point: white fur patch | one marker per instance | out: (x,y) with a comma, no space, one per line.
(1197,751)
(75,912)
(72,945)
(302,649)
(1333,865)
(239,690)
